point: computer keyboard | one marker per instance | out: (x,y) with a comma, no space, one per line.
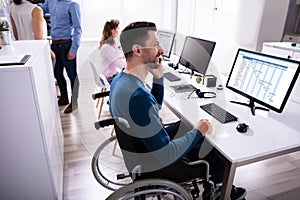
(171,77)
(219,113)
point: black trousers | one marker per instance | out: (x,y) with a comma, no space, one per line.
(61,51)
(180,171)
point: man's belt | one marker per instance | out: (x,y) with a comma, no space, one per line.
(61,41)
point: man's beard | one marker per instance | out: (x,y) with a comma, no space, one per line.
(152,65)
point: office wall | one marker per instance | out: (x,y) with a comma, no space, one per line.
(292,25)
(232,24)
(273,21)
(96,12)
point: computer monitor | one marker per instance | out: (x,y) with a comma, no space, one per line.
(166,40)
(264,79)
(196,54)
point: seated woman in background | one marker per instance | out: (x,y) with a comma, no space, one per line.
(112,58)
(27,20)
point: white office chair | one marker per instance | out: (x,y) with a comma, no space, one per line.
(100,79)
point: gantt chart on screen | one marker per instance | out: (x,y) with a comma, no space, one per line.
(264,78)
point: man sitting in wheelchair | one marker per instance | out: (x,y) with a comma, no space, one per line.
(160,151)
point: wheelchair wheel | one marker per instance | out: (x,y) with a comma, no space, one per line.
(155,189)
(108,165)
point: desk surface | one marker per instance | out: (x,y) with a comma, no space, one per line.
(267,136)
(21,48)
(283,45)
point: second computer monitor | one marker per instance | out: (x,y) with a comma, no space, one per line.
(196,54)
(166,39)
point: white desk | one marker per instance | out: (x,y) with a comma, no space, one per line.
(267,137)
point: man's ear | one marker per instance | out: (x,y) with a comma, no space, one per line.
(136,49)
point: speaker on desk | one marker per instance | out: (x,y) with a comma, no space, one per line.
(210,80)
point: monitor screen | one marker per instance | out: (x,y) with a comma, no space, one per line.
(265,79)
(196,54)
(166,39)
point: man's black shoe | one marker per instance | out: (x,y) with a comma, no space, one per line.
(238,193)
(62,102)
(71,107)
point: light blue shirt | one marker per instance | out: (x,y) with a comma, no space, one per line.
(65,21)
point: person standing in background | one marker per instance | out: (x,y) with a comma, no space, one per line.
(66,35)
(27,21)
(111,57)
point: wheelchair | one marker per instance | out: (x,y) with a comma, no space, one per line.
(111,172)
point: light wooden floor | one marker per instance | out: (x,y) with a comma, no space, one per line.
(275,179)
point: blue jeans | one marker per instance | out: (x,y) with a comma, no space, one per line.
(181,172)
(61,52)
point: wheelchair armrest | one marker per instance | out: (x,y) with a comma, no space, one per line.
(111,121)
(198,162)
(104,123)
(100,95)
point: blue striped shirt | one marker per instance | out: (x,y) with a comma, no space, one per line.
(65,21)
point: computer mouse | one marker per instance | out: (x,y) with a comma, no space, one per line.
(242,127)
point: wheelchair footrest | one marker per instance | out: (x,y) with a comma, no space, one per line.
(195,192)
(209,191)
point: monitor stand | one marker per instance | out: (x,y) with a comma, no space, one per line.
(251,106)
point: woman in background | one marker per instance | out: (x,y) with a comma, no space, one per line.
(111,56)
(27,20)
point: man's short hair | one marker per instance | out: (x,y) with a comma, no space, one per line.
(135,33)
